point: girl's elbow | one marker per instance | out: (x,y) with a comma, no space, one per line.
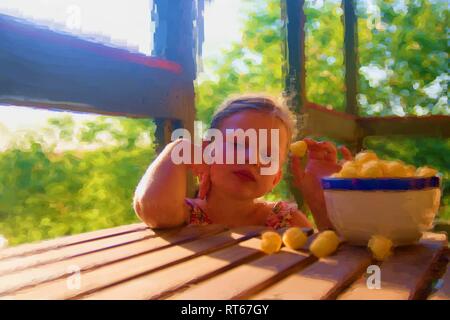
(150,214)
(142,211)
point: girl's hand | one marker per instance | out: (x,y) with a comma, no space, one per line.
(322,161)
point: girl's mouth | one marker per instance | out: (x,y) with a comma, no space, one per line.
(245,175)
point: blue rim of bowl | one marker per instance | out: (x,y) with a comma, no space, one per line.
(330,183)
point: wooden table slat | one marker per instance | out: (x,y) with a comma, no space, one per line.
(323,279)
(246,279)
(169,280)
(63,253)
(405,275)
(102,277)
(36,275)
(33,248)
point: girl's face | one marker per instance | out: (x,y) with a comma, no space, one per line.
(245,181)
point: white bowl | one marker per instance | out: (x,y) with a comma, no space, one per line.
(400,209)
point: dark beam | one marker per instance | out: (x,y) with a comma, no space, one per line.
(294,51)
(350,56)
(433,126)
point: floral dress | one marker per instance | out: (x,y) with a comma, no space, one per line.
(280,216)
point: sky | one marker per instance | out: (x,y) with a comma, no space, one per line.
(123,23)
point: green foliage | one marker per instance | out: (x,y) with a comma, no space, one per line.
(409,44)
(45,193)
(402,52)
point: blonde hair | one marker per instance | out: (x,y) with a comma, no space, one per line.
(258,102)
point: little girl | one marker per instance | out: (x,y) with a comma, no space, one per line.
(229,194)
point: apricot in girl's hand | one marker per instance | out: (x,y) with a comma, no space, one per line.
(380,246)
(299,148)
(294,238)
(325,244)
(270,242)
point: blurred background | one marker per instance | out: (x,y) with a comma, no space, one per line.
(63,173)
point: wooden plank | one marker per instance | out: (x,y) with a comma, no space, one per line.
(249,278)
(406,275)
(350,56)
(323,279)
(434,125)
(62,269)
(34,248)
(59,254)
(167,281)
(41,67)
(47,34)
(111,274)
(322,122)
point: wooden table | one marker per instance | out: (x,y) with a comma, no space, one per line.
(212,262)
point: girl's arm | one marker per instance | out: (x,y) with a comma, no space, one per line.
(322,161)
(160,195)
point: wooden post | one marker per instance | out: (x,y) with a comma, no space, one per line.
(350,56)
(351,67)
(294,19)
(174,39)
(174,33)
(163,132)
(294,51)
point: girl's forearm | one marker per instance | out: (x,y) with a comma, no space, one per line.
(159,197)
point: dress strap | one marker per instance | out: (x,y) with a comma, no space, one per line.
(281,215)
(196,214)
